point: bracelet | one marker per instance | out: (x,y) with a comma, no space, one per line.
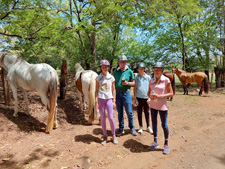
(162,96)
(114,100)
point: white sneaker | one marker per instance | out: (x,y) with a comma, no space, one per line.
(140,130)
(149,130)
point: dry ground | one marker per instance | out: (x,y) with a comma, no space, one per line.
(196,124)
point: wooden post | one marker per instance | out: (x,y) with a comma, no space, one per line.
(5,87)
(63,80)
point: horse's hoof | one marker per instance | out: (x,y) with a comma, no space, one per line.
(55,126)
(90,122)
(15,115)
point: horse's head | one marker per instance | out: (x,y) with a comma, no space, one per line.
(174,69)
(7,60)
(78,67)
(2,56)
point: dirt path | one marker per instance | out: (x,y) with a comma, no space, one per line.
(197,134)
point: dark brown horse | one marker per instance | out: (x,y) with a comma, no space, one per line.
(199,77)
(172,80)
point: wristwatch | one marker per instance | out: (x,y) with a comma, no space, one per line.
(162,96)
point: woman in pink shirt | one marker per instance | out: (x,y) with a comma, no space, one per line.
(159,89)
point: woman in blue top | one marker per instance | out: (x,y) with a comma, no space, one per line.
(141,97)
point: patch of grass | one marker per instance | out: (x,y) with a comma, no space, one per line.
(220,114)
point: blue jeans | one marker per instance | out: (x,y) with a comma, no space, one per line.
(123,99)
(163,117)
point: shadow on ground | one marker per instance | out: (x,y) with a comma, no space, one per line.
(137,147)
(87,139)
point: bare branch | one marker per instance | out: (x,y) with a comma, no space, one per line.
(18,36)
(7,14)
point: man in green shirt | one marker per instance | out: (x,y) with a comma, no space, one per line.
(124,80)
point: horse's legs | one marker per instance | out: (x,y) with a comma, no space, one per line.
(201,89)
(55,118)
(185,88)
(81,100)
(45,100)
(26,101)
(14,90)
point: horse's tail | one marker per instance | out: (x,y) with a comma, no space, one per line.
(173,85)
(92,111)
(206,84)
(52,102)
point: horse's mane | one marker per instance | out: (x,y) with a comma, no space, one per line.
(182,71)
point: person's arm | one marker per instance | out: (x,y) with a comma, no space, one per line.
(114,94)
(131,83)
(168,94)
(169,91)
(135,92)
(113,91)
(149,91)
(149,94)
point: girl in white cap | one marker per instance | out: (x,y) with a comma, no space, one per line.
(105,99)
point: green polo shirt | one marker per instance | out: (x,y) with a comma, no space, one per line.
(118,74)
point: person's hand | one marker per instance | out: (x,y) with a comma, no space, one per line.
(154,96)
(148,101)
(125,83)
(136,102)
(114,105)
(96,105)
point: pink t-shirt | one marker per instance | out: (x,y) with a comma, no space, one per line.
(160,89)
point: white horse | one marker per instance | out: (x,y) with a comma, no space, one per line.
(32,77)
(85,83)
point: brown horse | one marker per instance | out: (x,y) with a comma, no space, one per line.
(172,80)
(199,77)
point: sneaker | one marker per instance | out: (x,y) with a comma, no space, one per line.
(166,149)
(133,132)
(119,132)
(115,139)
(153,146)
(140,130)
(104,140)
(149,129)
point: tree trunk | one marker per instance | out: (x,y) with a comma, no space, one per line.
(93,51)
(207,73)
(88,66)
(93,48)
(223,77)
(63,80)
(185,62)
(217,76)
(6,88)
